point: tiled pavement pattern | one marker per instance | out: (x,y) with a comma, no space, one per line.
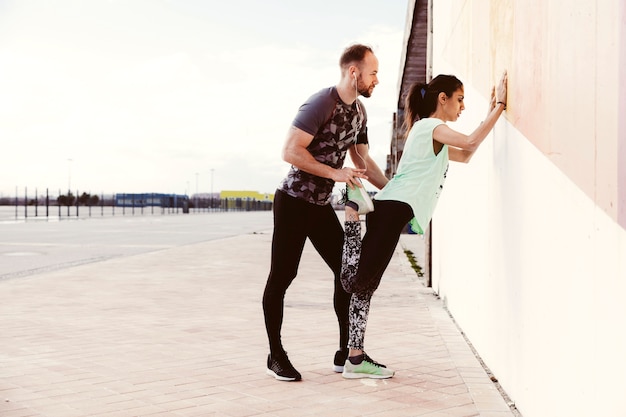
(179,332)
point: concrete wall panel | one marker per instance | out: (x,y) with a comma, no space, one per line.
(621,111)
(529,238)
(563,62)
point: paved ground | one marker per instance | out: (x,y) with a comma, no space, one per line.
(178,331)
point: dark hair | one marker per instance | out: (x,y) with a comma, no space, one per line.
(354,53)
(421,101)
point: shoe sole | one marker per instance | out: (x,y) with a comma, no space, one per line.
(279,377)
(338,369)
(367,199)
(349,375)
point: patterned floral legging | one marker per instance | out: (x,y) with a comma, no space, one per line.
(365,260)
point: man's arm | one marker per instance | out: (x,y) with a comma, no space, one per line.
(295,152)
(359,154)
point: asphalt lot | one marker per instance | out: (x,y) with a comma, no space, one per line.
(36,245)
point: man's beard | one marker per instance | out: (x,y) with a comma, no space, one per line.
(365,92)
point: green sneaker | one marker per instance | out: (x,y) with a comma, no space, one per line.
(366,369)
(358,196)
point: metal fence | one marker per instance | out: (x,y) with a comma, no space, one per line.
(70,205)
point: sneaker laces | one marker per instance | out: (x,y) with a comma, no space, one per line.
(367,358)
(344,196)
(282,366)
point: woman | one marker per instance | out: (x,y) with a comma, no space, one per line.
(410,196)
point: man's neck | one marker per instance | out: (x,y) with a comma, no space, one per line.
(346,91)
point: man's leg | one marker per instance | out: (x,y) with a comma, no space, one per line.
(287,244)
(327,237)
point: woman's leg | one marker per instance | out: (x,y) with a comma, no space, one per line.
(359,312)
(366,261)
(359,364)
(351,254)
(382,233)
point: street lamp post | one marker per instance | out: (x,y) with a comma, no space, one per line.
(69,175)
(195,203)
(212,187)
(69,184)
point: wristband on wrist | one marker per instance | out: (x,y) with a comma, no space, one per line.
(503,103)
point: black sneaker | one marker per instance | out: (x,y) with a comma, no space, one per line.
(340,359)
(281,369)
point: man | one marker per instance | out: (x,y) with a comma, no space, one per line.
(328,125)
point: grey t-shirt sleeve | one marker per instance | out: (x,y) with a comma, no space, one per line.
(315,112)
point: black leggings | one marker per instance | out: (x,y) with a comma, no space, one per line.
(365,261)
(383,227)
(294,221)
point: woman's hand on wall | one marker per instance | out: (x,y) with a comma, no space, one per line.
(501,91)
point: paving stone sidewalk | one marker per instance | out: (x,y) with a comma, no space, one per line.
(179,332)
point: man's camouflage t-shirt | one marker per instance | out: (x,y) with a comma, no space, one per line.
(335,127)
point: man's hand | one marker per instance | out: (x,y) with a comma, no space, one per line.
(350,176)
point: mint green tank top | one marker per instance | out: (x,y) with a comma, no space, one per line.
(421,174)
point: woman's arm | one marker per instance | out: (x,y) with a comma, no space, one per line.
(461,146)
(459,155)
(448,136)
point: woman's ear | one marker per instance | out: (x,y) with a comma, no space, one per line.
(442,98)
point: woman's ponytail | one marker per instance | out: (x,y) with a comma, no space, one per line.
(421,101)
(413,103)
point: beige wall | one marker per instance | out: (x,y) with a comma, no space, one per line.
(529,237)
(621,159)
(563,61)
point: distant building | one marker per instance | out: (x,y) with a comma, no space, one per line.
(206,196)
(246,195)
(246,200)
(151,200)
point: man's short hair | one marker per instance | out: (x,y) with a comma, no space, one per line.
(354,53)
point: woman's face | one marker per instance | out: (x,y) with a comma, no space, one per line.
(453,106)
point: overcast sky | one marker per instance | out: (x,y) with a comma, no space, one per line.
(175,96)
